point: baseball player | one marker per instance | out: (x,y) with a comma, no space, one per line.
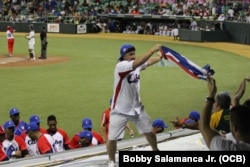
(126,104)
(31,42)
(10,39)
(20,125)
(13,145)
(45,143)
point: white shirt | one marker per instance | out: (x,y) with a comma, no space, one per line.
(31,37)
(58,141)
(219,143)
(126,88)
(9,35)
(31,146)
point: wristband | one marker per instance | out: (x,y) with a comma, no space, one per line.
(13,153)
(210,99)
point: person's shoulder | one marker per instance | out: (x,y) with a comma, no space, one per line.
(18,139)
(62,131)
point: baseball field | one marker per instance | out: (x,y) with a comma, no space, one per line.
(76,80)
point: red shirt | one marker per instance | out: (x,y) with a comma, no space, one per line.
(45,144)
(3,155)
(96,140)
(105,120)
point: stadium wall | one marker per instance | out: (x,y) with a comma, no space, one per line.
(232,31)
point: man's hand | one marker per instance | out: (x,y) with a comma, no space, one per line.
(211,84)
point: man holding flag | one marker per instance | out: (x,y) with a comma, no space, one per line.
(126,104)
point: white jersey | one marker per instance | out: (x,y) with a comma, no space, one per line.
(126,88)
(58,141)
(32,146)
(10,145)
(9,35)
(51,142)
(219,143)
(31,37)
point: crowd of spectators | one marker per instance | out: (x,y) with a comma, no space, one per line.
(84,11)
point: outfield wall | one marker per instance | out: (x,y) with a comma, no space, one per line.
(232,31)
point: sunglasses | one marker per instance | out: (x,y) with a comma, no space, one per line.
(15,115)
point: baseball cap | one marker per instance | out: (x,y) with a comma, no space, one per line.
(159,123)
(2,131)
(86,123)
(125,49)
(86,134)
(35,118)
(8,124)
(189,121)
(194,115)
(14,111)
(32,127)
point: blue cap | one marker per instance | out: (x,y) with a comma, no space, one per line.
(8,124)
(32,127)
(86,123)
(14,111)
(125,49)
(189,121)
(159,123)
(194,115)
(86,134)
(35,118)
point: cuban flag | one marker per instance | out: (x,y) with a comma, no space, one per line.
(188,66)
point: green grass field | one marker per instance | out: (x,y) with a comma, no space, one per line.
(83,86)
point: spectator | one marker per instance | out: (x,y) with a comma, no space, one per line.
(230,12)
(158,126)
(221,17)
(105,124)
(194,25)
(31,144)
(241,91)
(20,125)
(220,113)
(190,122)
(126,104)
(60,137)
(45,143)
(85,138)
(13,145)
(175,33)
(236,101)
(239,120)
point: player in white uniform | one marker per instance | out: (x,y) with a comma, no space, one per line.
(126,105)
(31,42)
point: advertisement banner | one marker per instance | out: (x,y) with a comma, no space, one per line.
(81,29)
(53,27)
